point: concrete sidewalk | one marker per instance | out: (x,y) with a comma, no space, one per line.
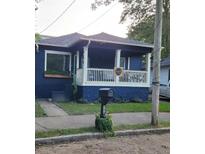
(51,109)
(78,121)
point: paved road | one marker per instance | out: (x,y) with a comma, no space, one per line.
(141,144)
(78,121)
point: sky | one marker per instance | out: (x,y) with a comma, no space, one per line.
(78,16)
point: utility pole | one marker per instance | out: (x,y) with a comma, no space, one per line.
(156,63)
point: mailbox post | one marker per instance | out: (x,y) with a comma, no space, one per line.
(105,94)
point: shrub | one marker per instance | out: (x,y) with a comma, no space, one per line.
(104,124)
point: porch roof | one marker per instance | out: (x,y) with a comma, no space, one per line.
(74,38)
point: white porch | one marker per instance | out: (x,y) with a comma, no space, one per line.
(106,77)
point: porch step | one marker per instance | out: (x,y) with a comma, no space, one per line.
(59,96)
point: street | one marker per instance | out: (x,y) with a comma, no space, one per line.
(141,144)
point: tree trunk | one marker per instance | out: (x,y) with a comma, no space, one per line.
(156,63)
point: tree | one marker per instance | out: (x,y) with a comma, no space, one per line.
(36,4)
(141,13)
(37,37)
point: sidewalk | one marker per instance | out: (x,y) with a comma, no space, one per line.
(78,121)
(51,109)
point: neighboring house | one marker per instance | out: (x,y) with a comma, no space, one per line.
(164,71)
(76,66)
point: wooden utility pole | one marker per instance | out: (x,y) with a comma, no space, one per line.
(156,63)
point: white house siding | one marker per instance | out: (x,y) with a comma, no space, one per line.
(164,75)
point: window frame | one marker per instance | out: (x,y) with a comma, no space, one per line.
(124,64)
(57,53)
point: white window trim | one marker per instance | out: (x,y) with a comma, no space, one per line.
(57,53)
(74,63)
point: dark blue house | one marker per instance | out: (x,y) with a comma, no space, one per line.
(75,66)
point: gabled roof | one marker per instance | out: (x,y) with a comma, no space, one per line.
(70,39)
(104,37)
(64,41)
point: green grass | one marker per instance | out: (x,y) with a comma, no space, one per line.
(39,112)
(79,109)
(141,126)
(60,132)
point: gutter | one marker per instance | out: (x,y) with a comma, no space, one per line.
(131,44)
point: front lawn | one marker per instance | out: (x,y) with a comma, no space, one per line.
(39,112)
(59,132)
(79,109)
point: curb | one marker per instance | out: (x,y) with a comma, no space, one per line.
(85,136)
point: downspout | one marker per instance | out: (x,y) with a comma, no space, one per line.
(37,47)
(89,41)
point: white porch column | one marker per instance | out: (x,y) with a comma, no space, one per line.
(117,62)
(85,63)
(128,63)
(148,67)
(77,59)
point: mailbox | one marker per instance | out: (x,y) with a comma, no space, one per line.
(105,94)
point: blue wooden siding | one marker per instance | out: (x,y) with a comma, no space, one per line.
(99,58)
(136,63)
(90,93)
(45,86)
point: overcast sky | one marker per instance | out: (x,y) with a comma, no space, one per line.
(77,17)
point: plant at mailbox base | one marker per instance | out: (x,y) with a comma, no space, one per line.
(104,125)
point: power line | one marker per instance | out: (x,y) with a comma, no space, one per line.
(59,16)
(97,18)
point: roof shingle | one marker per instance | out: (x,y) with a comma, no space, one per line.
(70,39)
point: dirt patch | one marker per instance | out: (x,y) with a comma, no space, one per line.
(141,144)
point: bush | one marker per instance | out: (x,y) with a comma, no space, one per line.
(103,124)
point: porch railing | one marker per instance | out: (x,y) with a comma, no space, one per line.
(134,76)
(102,75)
(98,75)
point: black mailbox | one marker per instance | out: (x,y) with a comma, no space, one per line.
(105,94)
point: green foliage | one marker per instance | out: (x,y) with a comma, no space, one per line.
(39,112)
(59,132)
(57,72)
(145,31)
(37,37)
(141,14)
(104,124)
(93,108)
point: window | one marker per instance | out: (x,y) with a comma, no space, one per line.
(122,62)
(57,63)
